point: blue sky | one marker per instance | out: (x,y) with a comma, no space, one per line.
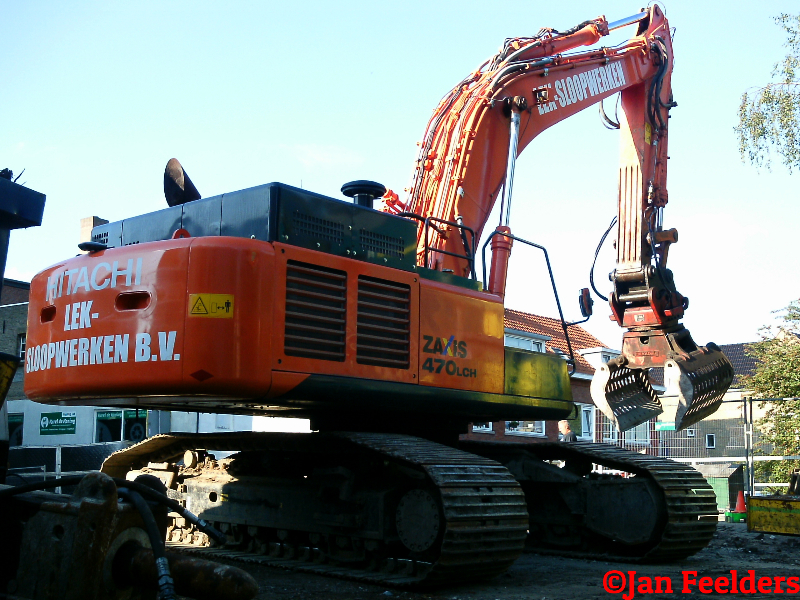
(97,96)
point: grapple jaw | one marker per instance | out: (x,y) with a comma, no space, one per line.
(696,378)
(625,396)
(695,387)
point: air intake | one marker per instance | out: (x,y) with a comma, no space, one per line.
(382,244)
(383,323)
(315,312)
(317,227)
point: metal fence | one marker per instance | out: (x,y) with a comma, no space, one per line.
(29,464)
(716,447)
(731,437)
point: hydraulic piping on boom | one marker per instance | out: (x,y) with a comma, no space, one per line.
(461,171)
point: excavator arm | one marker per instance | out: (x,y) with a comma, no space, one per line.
(466,163)
(464,159)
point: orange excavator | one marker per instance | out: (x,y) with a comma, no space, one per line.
(375,326)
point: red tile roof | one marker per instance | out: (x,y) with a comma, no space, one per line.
(578,336)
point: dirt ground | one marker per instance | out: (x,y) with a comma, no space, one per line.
(535,577)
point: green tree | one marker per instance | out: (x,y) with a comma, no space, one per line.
(777,375)
(769,116)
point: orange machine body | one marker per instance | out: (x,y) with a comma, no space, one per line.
(206,323)
(119,322)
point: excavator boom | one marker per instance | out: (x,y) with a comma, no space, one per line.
(466,163)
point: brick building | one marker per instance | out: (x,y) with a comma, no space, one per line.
(15,292)
(14,318)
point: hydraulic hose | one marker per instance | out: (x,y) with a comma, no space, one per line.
(138,566)
(596,253)
(166,586)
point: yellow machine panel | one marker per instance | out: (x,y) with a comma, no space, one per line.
(461,338)
(536,374)
(774,514)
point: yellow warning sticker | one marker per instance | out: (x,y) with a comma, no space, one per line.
(214,306)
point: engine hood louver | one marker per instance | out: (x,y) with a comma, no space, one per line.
(383,323)
(316,307)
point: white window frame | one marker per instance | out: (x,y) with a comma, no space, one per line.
(736,434)
(632,438)
(711,437)
(609,433)
(22,339)
(587,412)
(522,343)
(485,427)
(524,340)
(690,433)
(509,430)
(598,356)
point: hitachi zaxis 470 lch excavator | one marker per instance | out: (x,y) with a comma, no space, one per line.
(373,324)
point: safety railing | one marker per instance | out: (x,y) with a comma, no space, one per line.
(431,223)
(564,327)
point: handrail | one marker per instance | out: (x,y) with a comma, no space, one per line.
(469,254)
(571,360)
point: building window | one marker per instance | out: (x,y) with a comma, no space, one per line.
(711,441)
(108,426)
(736,439)
(21,345)
(639,435)
(134,425)
(525,428)
(15,426)
(482,427)
(523,343)
(118,425)
(587,422)
(608,431)
(690,433)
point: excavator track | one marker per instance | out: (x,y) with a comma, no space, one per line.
(688,508)
(691,504)
(492,502)
(482,508)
